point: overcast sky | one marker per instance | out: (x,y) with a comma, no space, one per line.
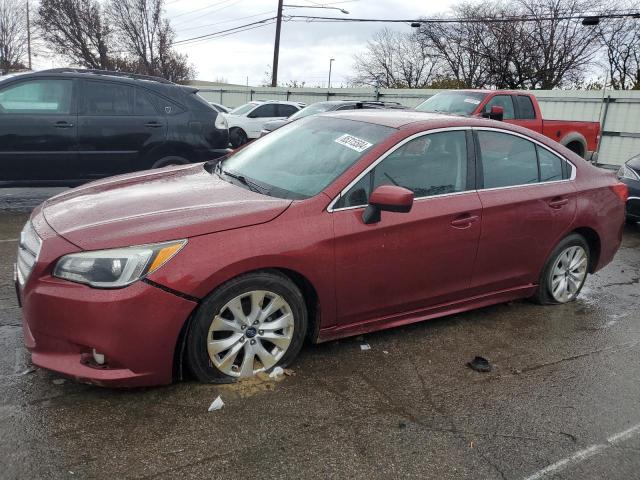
(305,48)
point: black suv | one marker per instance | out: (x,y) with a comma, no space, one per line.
(68,126)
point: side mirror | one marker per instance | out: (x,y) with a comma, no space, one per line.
(496,113)
(389,198)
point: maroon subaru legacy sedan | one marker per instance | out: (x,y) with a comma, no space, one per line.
(333,225)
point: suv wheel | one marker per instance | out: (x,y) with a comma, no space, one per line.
(237,137)
(170,160)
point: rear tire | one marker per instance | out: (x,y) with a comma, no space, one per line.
(237,137)
(250,324)
(564,272)
(170,161)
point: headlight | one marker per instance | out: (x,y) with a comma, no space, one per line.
(628,173)
(118,267)
(221,122)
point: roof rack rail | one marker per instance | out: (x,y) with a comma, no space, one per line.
(134,76)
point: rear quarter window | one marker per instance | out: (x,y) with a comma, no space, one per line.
(525,108)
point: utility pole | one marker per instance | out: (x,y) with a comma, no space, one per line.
(28,36)
(276,47)
(331,60)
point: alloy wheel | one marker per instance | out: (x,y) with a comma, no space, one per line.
(568,273)
(250,333)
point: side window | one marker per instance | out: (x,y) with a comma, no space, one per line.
(286,110)
(165,106)
(357,195)
(525,108)
(265,111)
(503,101)
(432,164)
(104,98)
(37,96)
(507,160)
(351,106)
(550,165)
(143,105)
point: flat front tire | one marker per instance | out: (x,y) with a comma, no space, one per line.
(248,325)
(565,271)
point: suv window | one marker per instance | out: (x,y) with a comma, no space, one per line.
(143,105)
(167,107)
(507,160)
(550,165)
(105,98)
(350,106)
(286,110)
(264,111)
(37,96)
(525,108)
(433,164)
(503,101)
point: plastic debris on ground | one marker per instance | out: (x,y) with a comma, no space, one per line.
(58,381)
(479,364)
(28,371)
(217,404)
(365,346)
(276,372)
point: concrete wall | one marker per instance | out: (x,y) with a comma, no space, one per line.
(620,111)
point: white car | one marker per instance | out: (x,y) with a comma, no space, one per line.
(219,107)
(246,121)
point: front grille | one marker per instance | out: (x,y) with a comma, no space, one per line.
(28,250)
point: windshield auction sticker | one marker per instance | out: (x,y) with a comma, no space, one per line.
(472,100)
(354,143)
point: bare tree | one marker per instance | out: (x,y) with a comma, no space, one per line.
(145,37)
(13,35)
(560,48)
(77,30)
(620,40)
(395,60)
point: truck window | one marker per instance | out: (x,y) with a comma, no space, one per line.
(503,101)
(525,108)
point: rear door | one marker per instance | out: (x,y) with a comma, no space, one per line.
(38,130)
(528,202)
(409,261)
(117,125)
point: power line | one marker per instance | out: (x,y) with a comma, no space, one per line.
(231,20)
(228,30)
(230,33)
(202,8)
(511,19)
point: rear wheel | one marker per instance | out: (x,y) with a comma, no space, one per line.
(248,325)
(237,137)
(170,160)
(565,272)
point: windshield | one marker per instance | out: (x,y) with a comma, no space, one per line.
(242,109)
(300,159)
(459,103)
(312,110)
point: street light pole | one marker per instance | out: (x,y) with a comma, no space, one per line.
(331,60)
(276,47)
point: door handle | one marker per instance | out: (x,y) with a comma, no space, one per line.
(558,202)
(464,221)
(153,125)
(63,125)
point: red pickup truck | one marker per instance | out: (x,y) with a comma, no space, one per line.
(519,108)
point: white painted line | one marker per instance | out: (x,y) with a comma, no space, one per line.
(588,452)
(6,240)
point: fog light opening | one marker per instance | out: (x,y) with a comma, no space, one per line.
(98,357)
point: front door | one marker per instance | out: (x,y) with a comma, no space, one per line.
(409,261)
(38,128)
(528,202)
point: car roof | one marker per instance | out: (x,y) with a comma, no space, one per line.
(396,118)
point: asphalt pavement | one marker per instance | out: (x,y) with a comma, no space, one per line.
(562,399)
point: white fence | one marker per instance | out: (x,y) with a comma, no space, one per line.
(618,112)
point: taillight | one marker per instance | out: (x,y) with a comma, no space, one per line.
(621,190)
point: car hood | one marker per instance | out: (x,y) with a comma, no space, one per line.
(155,206)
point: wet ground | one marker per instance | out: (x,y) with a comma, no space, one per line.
(562,400)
